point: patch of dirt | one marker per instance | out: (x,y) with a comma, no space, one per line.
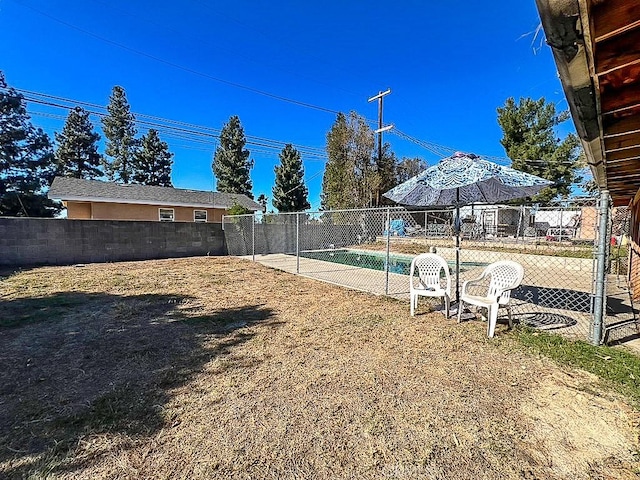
(222,368)
(591,420)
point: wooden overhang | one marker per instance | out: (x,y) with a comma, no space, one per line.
(596,46)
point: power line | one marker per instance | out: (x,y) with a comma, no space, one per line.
(178,66)
(438,150)
(203,40)
(204,135)
(171,128)
(442,151)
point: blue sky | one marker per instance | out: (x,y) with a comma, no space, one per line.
(449,65)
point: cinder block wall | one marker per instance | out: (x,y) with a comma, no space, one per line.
(43,241)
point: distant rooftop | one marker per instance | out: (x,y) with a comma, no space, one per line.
(76,189)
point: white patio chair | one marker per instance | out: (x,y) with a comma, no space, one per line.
(429,267)
(505,276)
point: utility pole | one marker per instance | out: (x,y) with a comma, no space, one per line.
(380,97)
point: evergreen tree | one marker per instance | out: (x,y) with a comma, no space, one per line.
(262,200)
(153,161)
(385,175)
(530,141)
(120,131)
(27,164)
(588,185)
(231,164)
(77,153)
(237,209)
(289,192)
(335,178)
(350,177)
(408,168)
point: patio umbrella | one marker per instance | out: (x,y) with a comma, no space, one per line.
(465,178)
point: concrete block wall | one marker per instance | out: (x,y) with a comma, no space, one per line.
(44,241)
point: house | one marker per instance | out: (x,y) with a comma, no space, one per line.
(497,220)
(595,47)
(97,200)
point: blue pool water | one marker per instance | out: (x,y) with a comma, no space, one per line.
(373,261)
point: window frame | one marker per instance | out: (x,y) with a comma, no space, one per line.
(173,214)
(206,216)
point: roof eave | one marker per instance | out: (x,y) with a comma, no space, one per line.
(72,198)
(571,46)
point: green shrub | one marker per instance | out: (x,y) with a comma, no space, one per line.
(237,209)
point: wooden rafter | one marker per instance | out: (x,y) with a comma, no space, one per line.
(614,18)
(618,52)
(615,33)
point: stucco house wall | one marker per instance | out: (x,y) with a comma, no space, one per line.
(129,211)
(97,200)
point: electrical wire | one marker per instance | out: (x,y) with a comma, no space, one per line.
(171,128)
(178,66)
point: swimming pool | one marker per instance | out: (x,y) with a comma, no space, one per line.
(375,261)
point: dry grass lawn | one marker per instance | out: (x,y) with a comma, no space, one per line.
(220,368)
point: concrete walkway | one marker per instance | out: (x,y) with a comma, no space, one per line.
(622,324)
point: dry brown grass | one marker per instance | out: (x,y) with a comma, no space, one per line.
(220,368)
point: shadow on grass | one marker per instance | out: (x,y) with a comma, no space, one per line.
(18,313)
(77,365)
(7,271)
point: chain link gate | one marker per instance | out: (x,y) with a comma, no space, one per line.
(620,321)
(371,250)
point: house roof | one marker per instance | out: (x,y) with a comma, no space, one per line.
(595,46)
(76,189)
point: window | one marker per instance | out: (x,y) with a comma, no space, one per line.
(166,214)
(199,215)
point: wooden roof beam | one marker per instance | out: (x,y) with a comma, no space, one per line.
(622,142)
(619,189)
(614,127)
(618,52)
(613,18)
(629,164)
(623,187)
(623,98)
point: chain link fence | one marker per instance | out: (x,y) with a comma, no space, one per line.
(372,249)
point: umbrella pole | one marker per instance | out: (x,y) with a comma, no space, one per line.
(458,228)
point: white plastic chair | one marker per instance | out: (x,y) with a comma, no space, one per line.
(429,267)
(505,276)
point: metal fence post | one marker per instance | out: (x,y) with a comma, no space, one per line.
(253,237)
(297,243)
(386,266)
(425,224)
(599,308)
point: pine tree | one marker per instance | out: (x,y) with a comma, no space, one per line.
(231,164)
(77,153)
(530,141)
(262,200)
(385,175)
(408,168)
(27,164)
(289,192)
(120,131)
(349,179)
(153,161)
(336,170)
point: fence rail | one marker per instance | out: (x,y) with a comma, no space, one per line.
(371,250)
